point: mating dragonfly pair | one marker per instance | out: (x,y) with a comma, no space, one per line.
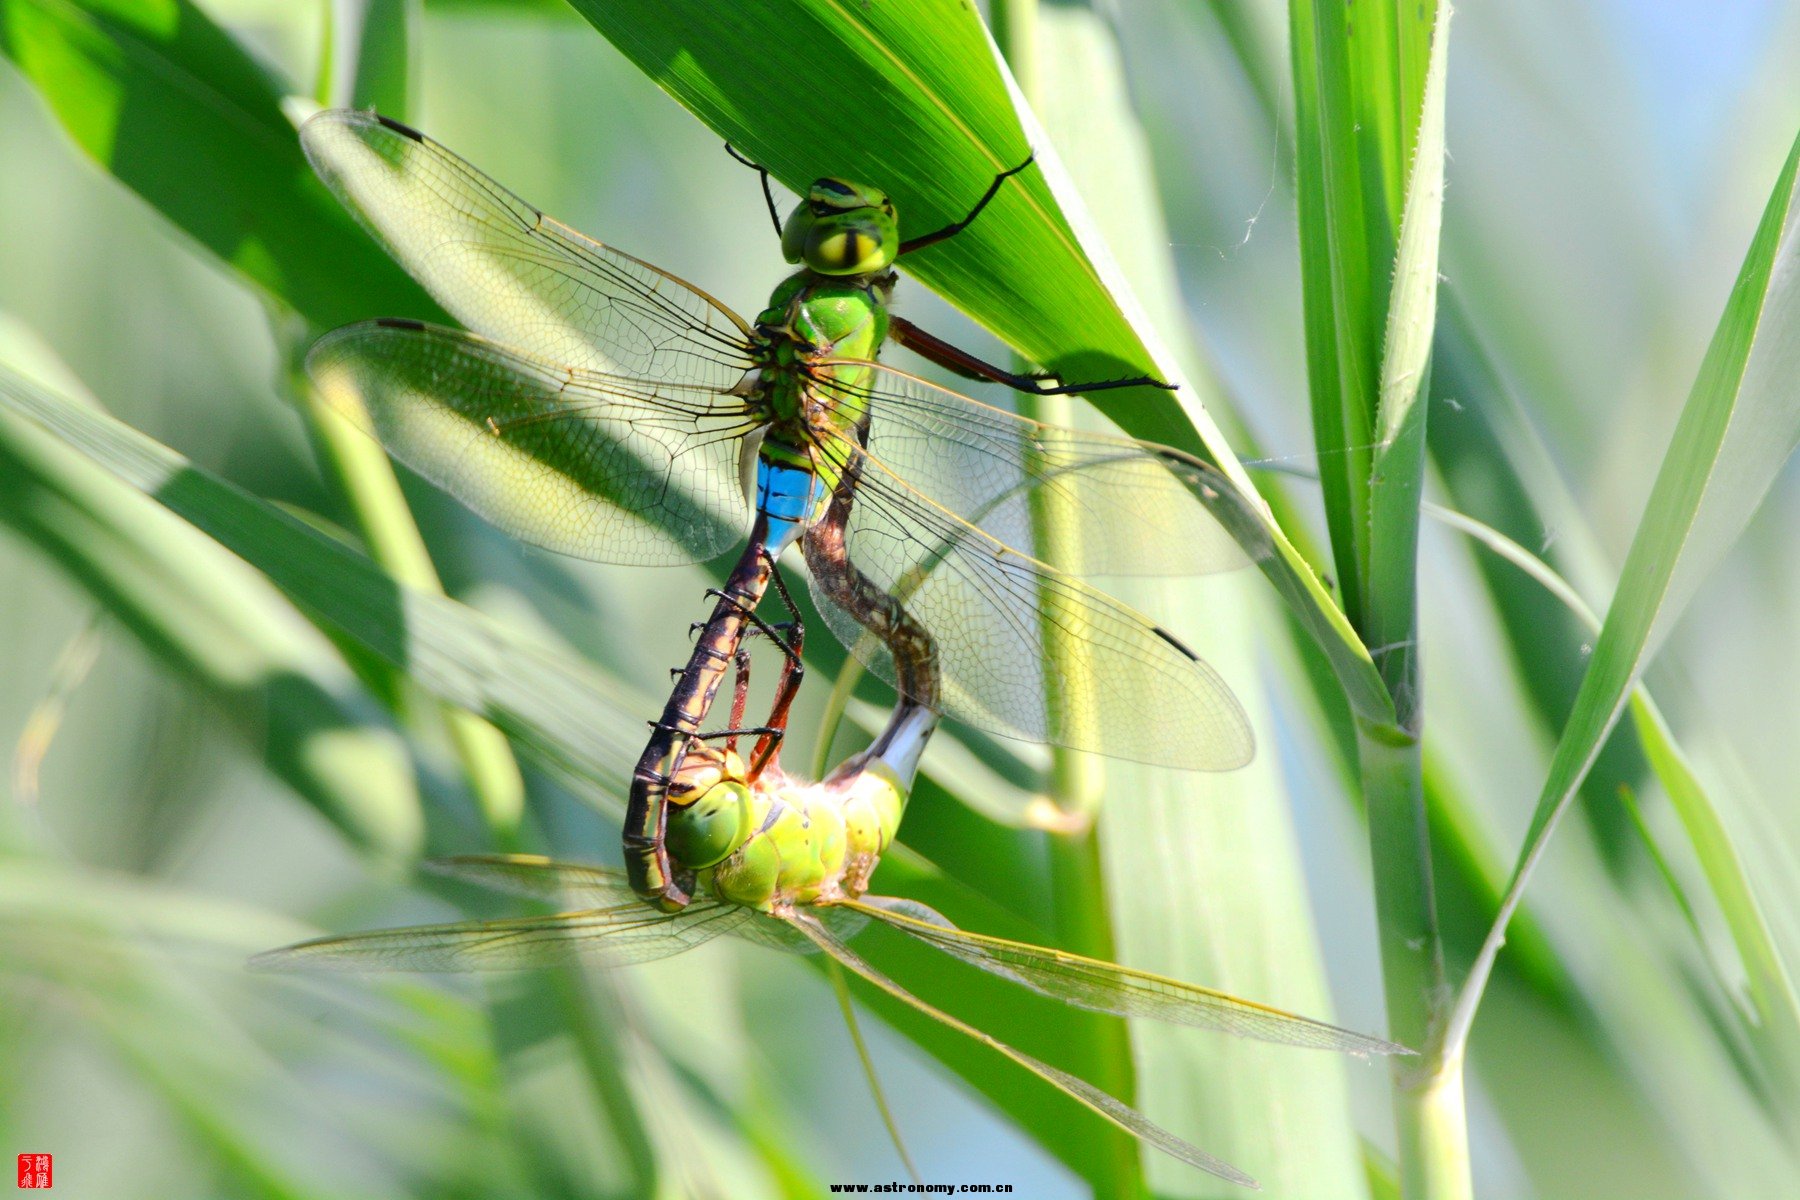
(606,409)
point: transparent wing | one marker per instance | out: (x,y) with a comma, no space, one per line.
(1110,988)
(624,471)
(1025,650)
(1079,1090)
(535,877)
(1121,507)
(506,270)
(539,878)
(778,933)
(616,936)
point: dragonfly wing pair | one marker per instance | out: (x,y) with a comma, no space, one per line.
(620,930)
(607,924)
(594,414)
(622,471)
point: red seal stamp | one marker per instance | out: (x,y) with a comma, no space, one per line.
(34,1170)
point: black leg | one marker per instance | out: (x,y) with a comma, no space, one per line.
(956,227)
(789,636)
(768,193)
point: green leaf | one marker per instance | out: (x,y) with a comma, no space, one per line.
(1397,471)
(579,723)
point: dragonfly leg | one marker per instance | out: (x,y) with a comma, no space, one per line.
(793,670)
(956,227)
(740,691)
(961,362)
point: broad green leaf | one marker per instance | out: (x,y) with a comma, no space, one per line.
(1740,423)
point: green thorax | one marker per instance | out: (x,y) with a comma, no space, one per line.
(780,843)
(816,333)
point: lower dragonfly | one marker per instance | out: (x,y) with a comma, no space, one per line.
(787,863)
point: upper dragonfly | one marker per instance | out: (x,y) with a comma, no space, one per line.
(606,409)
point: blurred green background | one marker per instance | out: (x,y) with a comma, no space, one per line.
(1608,164)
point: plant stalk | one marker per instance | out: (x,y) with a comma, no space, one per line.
(1427,1091)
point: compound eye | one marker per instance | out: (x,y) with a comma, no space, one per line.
(859,245)
(843,252)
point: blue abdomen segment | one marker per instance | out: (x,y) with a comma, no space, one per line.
(788,496)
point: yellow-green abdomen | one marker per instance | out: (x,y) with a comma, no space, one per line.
(807,843)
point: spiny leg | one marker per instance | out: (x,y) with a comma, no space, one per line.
(788,636)
(647,862)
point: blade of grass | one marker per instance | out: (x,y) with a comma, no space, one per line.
(1774,1003)
(1363,95)
(1429,1105)
(561,710)
(366,59)
(1741,421)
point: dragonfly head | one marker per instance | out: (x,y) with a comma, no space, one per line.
(712,808)
(842,228)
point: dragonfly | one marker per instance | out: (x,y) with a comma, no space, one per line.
(599,406)
(787,864)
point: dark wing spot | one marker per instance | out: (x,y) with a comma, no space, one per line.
(406,323)
(1170,638)
(402,130)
